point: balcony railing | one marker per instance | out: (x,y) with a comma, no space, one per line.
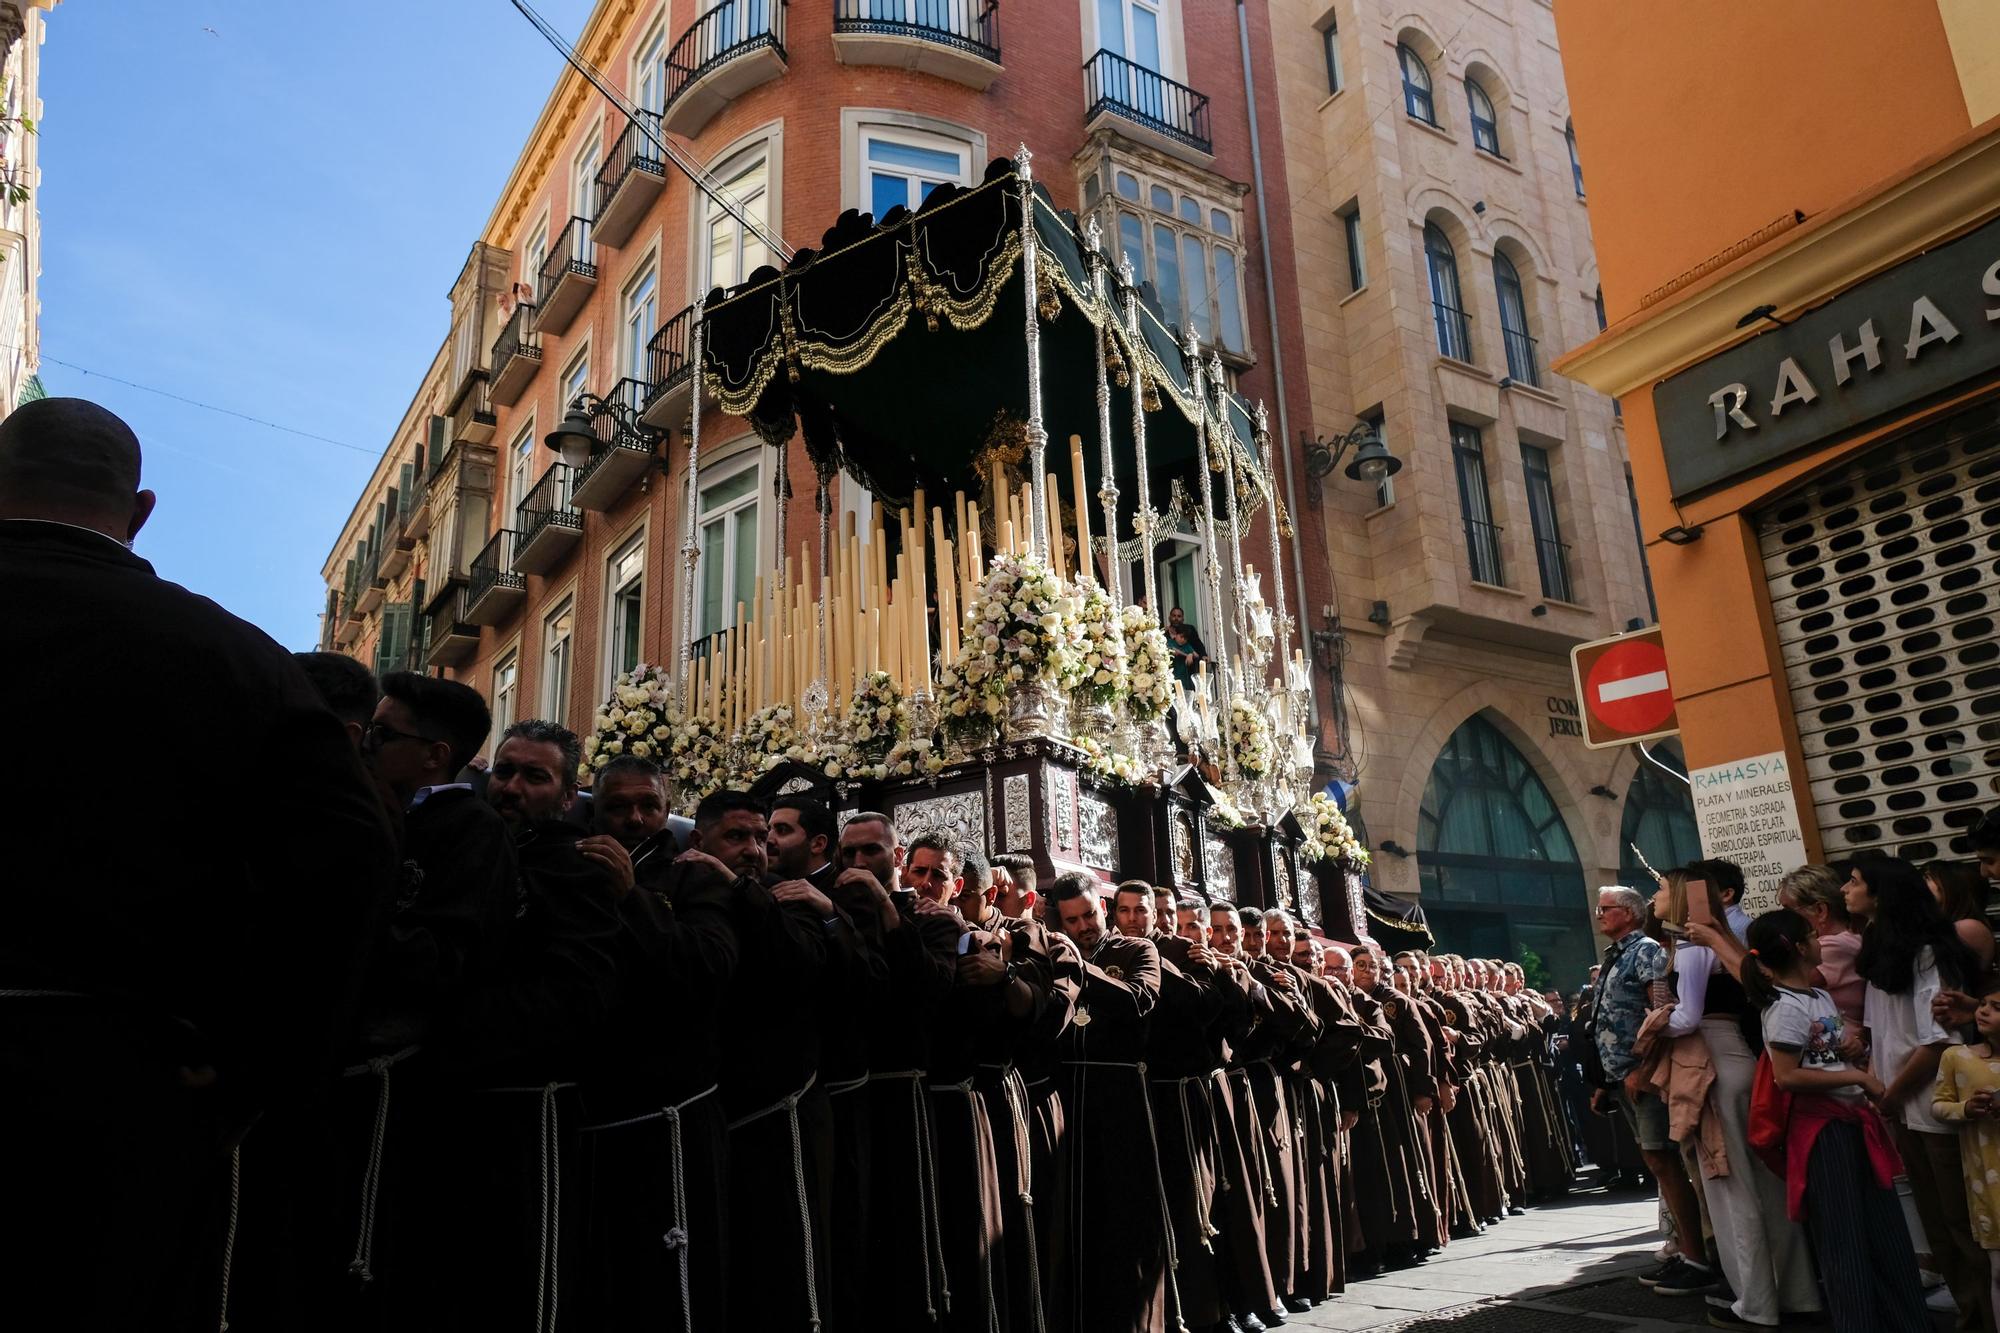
(621,456)
(630,180)
(1454,332)
(1482,550)
(1113,84)
(493,588)
(473,420)
(452,638)
(517,354)
(669,369)
(697,86)
(968,25)
(1552,557)
(1522,367)
(568,276)
(546,525)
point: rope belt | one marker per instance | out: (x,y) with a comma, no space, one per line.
(362,1265)
(676,1238)
(973,1106)
(1277,1092)
(1015,1090)
(1182,1088)
(1138,1067)
(846,1085)
(927,1206)
(789,1104)
(1265,1186)
(548,1273)
(229,1236)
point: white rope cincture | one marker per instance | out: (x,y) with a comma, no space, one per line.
(676,1237)
(927,1207)
(972,1108)
(229,1236)
(1181,1087)
(1015,1090)
(548,1273)
(790,1106)
(362,1265)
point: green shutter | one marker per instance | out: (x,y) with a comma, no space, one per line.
(439,439)
(406,488)
(420,627)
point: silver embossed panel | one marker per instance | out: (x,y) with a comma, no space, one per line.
(1281,879)
(1219,868)
(1060,793)
(1019,820)
(962,815)
(1097,831)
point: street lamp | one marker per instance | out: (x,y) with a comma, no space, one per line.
(577,440)
(1372,459)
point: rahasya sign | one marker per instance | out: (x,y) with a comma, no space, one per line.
(1921,328)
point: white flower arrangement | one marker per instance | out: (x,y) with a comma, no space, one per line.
(1328,835)
(1250,738)
(1149,674)
(1101,635)
(638,719)
(1107,763)
(867,739)
(771,736)
(1223,812)
(1020,626)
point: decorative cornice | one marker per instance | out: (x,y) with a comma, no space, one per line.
(1799,269)
(603,36)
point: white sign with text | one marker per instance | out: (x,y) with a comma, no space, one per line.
(1746,814)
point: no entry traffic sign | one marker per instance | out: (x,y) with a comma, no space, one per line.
(1622,689)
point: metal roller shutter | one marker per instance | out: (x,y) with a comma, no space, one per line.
(1885,584)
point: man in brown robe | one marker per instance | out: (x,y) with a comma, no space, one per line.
(1284,1034)
(1114,1233)
(1249,1289)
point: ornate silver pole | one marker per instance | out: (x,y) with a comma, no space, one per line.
(814,700)
(1224,441)
(691,545)
(1277,563)
(1211,562)
(1038,435)
(1137,371)
(1107,486)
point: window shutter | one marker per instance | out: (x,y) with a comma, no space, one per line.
(406,486)
(438,440)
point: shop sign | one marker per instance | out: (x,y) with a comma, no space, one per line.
(1745,813)
(1925,326)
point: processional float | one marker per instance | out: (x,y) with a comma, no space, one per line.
(995,666)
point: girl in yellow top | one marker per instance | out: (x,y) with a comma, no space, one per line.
(1968,1094)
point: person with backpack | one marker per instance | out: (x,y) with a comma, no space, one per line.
(1840,1166)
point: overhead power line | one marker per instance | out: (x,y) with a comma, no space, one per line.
(209,407)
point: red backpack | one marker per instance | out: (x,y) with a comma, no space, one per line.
(1770,1116)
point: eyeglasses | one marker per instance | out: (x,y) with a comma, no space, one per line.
(381,733)
(1604,911)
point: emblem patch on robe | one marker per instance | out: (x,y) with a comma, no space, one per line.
(1082,1018)
(1115,972)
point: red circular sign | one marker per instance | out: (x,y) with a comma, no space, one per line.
(1627,690)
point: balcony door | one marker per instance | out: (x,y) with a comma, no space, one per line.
(520,475)
(903,168)
(642,316)
(1132,29)
(733,251)
(729,543)
(736,21)
(649,75)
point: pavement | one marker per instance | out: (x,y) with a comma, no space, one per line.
(1568,1267)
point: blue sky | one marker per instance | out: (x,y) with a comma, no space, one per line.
(269,218)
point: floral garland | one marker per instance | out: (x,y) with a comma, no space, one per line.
(1328,835)
(1250,738)
(1149,669)
(771,736)
(1021,625)
(1101,632)
(1109,764)
(857,742)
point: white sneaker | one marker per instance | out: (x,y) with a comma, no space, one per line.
(1941,1301)
(1930,1279)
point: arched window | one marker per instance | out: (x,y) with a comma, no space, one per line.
(1485,125)
(1498,871)
(1447,308)
(1514,321)
(1575,167)
(1416,85)
(1658,820)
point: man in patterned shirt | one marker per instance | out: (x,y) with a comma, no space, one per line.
(1624,995)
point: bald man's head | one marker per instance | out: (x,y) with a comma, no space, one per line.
(70,461)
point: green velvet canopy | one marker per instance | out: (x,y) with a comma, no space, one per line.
(899,349)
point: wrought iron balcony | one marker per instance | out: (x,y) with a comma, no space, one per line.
(729,50)
(473,420)
(1169,115)
(494,589)
(1552,558)
(624,451)
(453,639)
(418,656)
(670,371)
(1482,551)
(1454,333)
(630,180)
(370,587)
(397,546)
(546,525)
(568,277)
(1522,366)
(952,39)
(517,354)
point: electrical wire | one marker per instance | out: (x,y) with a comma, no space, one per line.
(206,407)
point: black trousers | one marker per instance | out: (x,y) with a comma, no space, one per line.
(1860,1240)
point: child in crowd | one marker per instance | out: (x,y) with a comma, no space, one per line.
(1967,1083)
(1840,1165)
